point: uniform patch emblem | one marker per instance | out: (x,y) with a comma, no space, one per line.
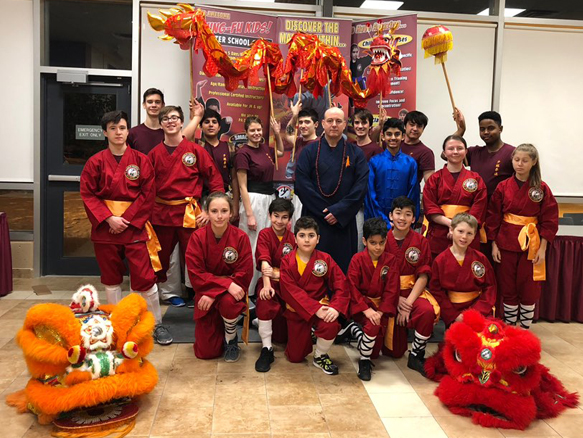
(384,272)
(478,269)
(535,194)
(230,255)
(470,185)
(284,192)
(189,159)
(287,248)
(320,268)
(132,172)
(412,255)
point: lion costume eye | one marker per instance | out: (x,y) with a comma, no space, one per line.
(457,356)
(521,371)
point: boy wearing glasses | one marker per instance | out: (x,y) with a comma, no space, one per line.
(180,167)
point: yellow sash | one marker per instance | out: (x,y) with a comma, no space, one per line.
(463,297)
(118,208)
(324,302)
(451,210)
(190,213)
(529,238)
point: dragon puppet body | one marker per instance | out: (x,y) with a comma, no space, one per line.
(322,64)
(492,372)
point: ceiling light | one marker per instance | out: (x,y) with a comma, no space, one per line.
(508,12)
(380,4)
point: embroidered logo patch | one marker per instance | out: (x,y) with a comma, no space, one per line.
(189,159)
(384,272)
(320,268)
(412,255)
(535,194)
(132,172)
(287,248)
(284,192)
(470,185)
(230,255)
(478,269)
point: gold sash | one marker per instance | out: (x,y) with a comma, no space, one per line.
(118,208)
(529,238)
(451,210)
(190,213)
(463,297)
(324,302)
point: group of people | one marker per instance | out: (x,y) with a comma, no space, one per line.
(346,257)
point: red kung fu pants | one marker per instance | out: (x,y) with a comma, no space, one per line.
(110,260)
(299,345)
(422,319)
(209,330)
(168,237)
(515,282)
(272,310)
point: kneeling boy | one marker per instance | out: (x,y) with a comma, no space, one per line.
(417,309)
(461,277)
(273,243)
(313,287)
(374,285)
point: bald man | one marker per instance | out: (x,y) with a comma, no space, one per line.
(331,182)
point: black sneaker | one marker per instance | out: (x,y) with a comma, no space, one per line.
(325,363)
(365,369)
(417,363)
(190,304)
(162,335)
(232,350)
(265,360)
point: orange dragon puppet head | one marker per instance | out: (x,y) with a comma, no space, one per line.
(85,355)
(385,59)
(492,372)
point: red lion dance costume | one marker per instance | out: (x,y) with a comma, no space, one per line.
(86,361)
(491,372)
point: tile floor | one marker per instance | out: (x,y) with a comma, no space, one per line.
(292,400)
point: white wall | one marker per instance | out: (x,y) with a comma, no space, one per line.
(470,67)
(16,77)
(542,101)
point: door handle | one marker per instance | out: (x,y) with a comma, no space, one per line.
(65,178)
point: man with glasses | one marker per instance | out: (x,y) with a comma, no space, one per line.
(331,182)
(180,167)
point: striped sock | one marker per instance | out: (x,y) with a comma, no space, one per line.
(526,315)
(419,344)
(365,345)
(230,329)
(510,314)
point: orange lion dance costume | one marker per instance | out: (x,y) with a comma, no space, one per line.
(492,372)
(86,356)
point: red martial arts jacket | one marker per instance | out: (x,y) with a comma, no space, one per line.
(271,250)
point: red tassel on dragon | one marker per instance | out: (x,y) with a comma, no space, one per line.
(492,372)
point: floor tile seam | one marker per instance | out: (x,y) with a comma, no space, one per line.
(160,398)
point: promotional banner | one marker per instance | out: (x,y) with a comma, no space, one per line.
(236,32)
(403,94)
(334,32)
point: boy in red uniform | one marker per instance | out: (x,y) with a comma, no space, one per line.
(117,187)
(180,167)
(417,309)
(315,292)
(273,243)
(462,277)
(220,266)
(522,206)
(373,276)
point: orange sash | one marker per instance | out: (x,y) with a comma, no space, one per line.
(463,297)
(529,239)
(190,213)
(118,208)
(451,210)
